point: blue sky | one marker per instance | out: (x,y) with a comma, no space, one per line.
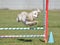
(28,4)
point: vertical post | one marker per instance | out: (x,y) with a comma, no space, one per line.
(46,23)
(44,13)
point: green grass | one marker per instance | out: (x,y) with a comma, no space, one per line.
(8,19)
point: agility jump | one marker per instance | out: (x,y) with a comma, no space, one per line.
(45,28)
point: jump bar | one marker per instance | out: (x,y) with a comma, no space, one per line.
(24,36)
(38,28)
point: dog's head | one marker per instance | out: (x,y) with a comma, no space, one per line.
(36,13)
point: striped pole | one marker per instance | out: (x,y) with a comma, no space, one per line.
(21,36)
(38,28)
(46,23)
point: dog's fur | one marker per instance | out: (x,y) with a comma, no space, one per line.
(28,17)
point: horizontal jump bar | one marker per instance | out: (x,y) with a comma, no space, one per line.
(38,28)
(16,36)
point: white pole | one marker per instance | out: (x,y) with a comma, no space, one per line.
(44,13)
(24,36)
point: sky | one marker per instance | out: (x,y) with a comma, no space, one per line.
(28,4)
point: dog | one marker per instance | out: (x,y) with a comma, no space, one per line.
(28,18)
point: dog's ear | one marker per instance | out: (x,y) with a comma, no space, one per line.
(39,10)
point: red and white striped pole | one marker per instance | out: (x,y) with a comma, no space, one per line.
(46,22)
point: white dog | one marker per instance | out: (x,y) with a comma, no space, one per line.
(28,18)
